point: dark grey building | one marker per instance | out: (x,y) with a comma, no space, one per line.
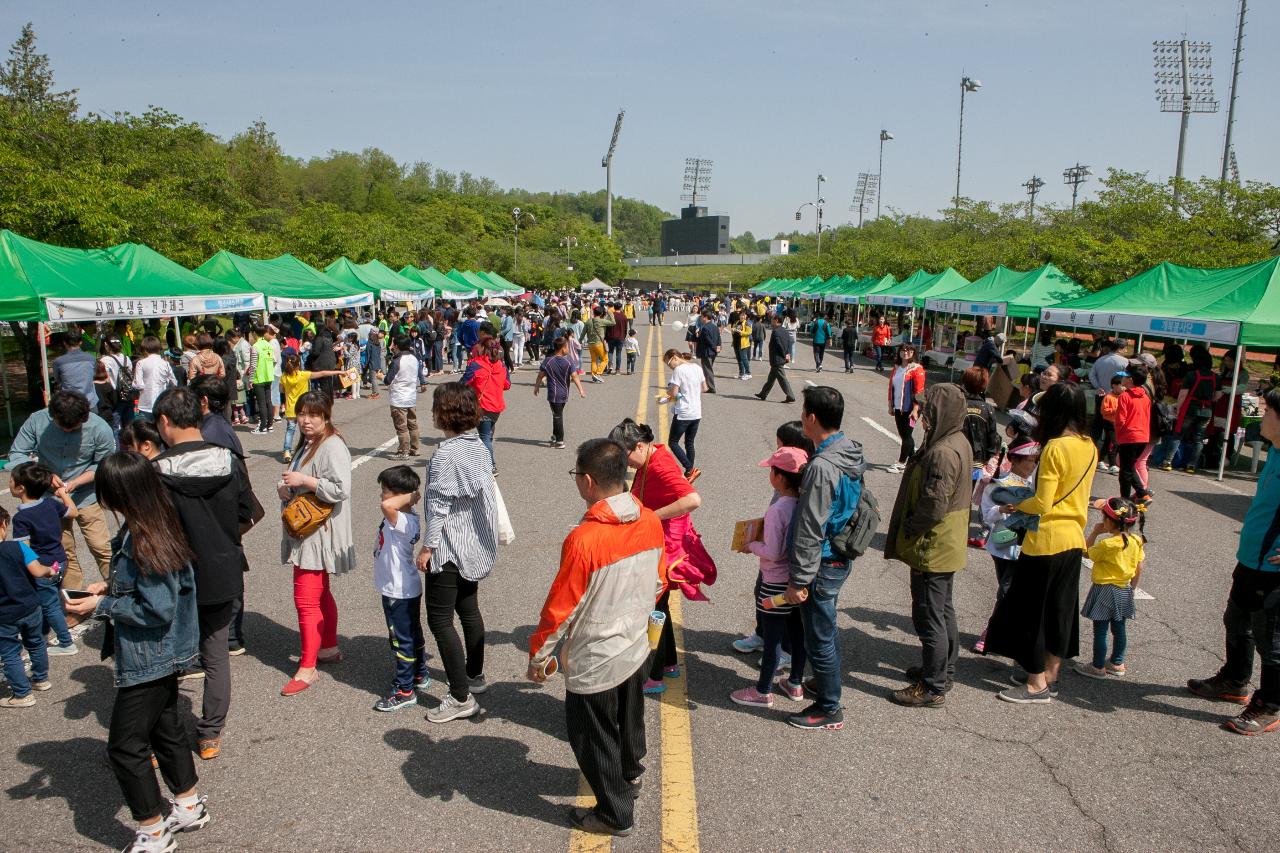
(695,233)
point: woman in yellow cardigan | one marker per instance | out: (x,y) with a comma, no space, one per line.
(1037,622)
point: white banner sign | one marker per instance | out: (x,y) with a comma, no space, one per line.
(960,306)
(406,295)
(1215,331)
(144,308)
(278,303)
(895,301)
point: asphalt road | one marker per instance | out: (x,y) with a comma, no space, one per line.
(1126,764)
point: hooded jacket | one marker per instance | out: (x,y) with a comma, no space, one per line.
(980,428)
(211,492)
(1133,416)
(612,569)
(489,378)
(930,520)
(829,494)
(207,362)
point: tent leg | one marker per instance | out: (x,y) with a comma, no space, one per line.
(1231,407)
(4,377)
(1138,352)
(41,330)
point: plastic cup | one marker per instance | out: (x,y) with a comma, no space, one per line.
(657,619)
(550,666)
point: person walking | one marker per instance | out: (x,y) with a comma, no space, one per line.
(1133,430)
(556,372)
(150,602)
(597,610)
(927,531)
(881,336)
(594,336)
(1199,391)
(614,336)
(707,348)
(1252,617)
(402,381)
(459,545)
(906,390)
(829,495)
(262,367)
(821,331)
(321,467)
(779,356)
(684,389)
(488,375)
(1037,623)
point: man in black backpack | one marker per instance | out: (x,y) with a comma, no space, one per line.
(1195,407)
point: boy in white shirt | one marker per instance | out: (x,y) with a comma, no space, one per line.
(398,581)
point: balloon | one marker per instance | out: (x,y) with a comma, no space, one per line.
(677,325)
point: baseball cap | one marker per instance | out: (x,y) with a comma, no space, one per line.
(1025,448)
(789,459)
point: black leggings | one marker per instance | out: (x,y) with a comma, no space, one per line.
(1129,481)
(145,720)
(819,350)
(557,421)
(448,593)
(262,396)
(688,430)
(902,420)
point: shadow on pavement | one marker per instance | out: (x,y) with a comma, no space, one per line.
(366,660)
(96,696)
(492,772)
(1234,507)
(74,770)
(526,705)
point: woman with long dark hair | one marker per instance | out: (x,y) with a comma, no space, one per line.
(661,486)
(906,393)
(150,604)
(1037,622)
(487,374)
(321,465)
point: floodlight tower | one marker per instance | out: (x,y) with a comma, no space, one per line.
(1075,176)
(885,136)
(1228,156)
(697,180)
(607,163)
(1184,84)
(866,189)
(1033,188)
(967,84)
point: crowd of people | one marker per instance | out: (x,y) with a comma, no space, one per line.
(147,429)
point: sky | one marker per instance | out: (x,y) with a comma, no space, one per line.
(526,93)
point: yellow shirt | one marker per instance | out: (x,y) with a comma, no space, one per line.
(1116,561)
(293,387)
(1063,481)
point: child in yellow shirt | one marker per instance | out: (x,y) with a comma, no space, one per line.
(1117,555)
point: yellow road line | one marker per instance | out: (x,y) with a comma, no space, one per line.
(679,793)
(586,842)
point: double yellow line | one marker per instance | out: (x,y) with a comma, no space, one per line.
(679,794)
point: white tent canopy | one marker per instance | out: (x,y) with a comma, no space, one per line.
(595,284)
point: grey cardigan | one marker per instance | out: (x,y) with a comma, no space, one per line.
(330,548)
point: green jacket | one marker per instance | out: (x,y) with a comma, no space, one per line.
(594,330)
(265,369)
(929,527)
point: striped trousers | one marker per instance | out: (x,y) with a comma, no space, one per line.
(606,732)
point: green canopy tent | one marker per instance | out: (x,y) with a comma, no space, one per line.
(444,287)
(380,280)
(506,287)
(41,283)
(485,286)
(288,283)
(462,281)
(1237,306)
(912,291)
(764,288)
(802,288)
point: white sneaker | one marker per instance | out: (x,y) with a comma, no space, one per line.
(1114,469)
(452,709)
(145,842)
(1102,466)
(897,468)
(59,650)
(184,819)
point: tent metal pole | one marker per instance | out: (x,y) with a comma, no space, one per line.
(41,330)
(4,377)
(1231,407)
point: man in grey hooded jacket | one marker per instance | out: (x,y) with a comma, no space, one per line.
(829,495)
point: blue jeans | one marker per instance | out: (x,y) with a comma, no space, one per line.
(688,430)
(27,632)
(744,362)
(880,354)
(1164,451)
(1100,642)
(404,631)
(1192,439)
(48,591)
(488,420)
(290,433)
(821,642)
(848,358)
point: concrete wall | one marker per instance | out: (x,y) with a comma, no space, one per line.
(698,260)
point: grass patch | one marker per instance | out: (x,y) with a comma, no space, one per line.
(712,276)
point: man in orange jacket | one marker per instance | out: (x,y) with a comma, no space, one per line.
(612,570)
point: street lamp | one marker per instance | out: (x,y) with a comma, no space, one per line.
(821,201)
(967,84)
(885,136)
(676,252)
(518,216)
(568,244)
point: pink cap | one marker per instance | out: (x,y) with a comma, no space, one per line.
(789,459)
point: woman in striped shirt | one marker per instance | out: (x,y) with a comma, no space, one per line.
(459,545)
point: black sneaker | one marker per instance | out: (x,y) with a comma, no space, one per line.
(588,821)
(1219,688)
(1253,720)
(814,717)
(396,700)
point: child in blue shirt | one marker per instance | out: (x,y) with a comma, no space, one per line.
(21,622)
(396,575)
(38,522)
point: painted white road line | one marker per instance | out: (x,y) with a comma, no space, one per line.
(882,430)
(372,454)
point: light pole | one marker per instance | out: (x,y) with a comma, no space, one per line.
(1184,84)
(676,252)
(518,216)
(1075,176)
(1033,188)
(818,207)
(568,244)
(867,186)
(885,136)
(1231,100)
(607,163)
(967,84)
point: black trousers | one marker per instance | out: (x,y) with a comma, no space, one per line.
(665,654)
(1252,620)
(1129,481)
(557,421)
(687,430)
(708,363)
(506,355)
(606,732)
(262,398)
(447,593)
(614,347)
(819,350)
(215,658)
(902,420)
(777,374)
(934,616)
(145,720)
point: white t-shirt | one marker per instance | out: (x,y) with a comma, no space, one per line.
(688,379)
(404,388)
(394,572)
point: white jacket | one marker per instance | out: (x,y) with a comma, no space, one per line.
(151,377)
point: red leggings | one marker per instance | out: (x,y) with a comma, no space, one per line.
(317,613)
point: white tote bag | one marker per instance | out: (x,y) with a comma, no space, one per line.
(506,533)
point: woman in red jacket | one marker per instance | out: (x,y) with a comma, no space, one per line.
(1133,429)
(487,374)
(906,395)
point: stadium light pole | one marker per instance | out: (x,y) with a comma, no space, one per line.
(885,136)
(967,84)
(1184,84)
(1227,154)
(607,163)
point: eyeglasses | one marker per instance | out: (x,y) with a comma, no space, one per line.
(573,472)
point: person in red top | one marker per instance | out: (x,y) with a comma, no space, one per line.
(881,334)
(1133,429)
(661,486)
(611,568)
(487,374)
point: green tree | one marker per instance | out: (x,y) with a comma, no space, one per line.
(26,81)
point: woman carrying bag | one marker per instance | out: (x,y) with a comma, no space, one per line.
(316,487)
